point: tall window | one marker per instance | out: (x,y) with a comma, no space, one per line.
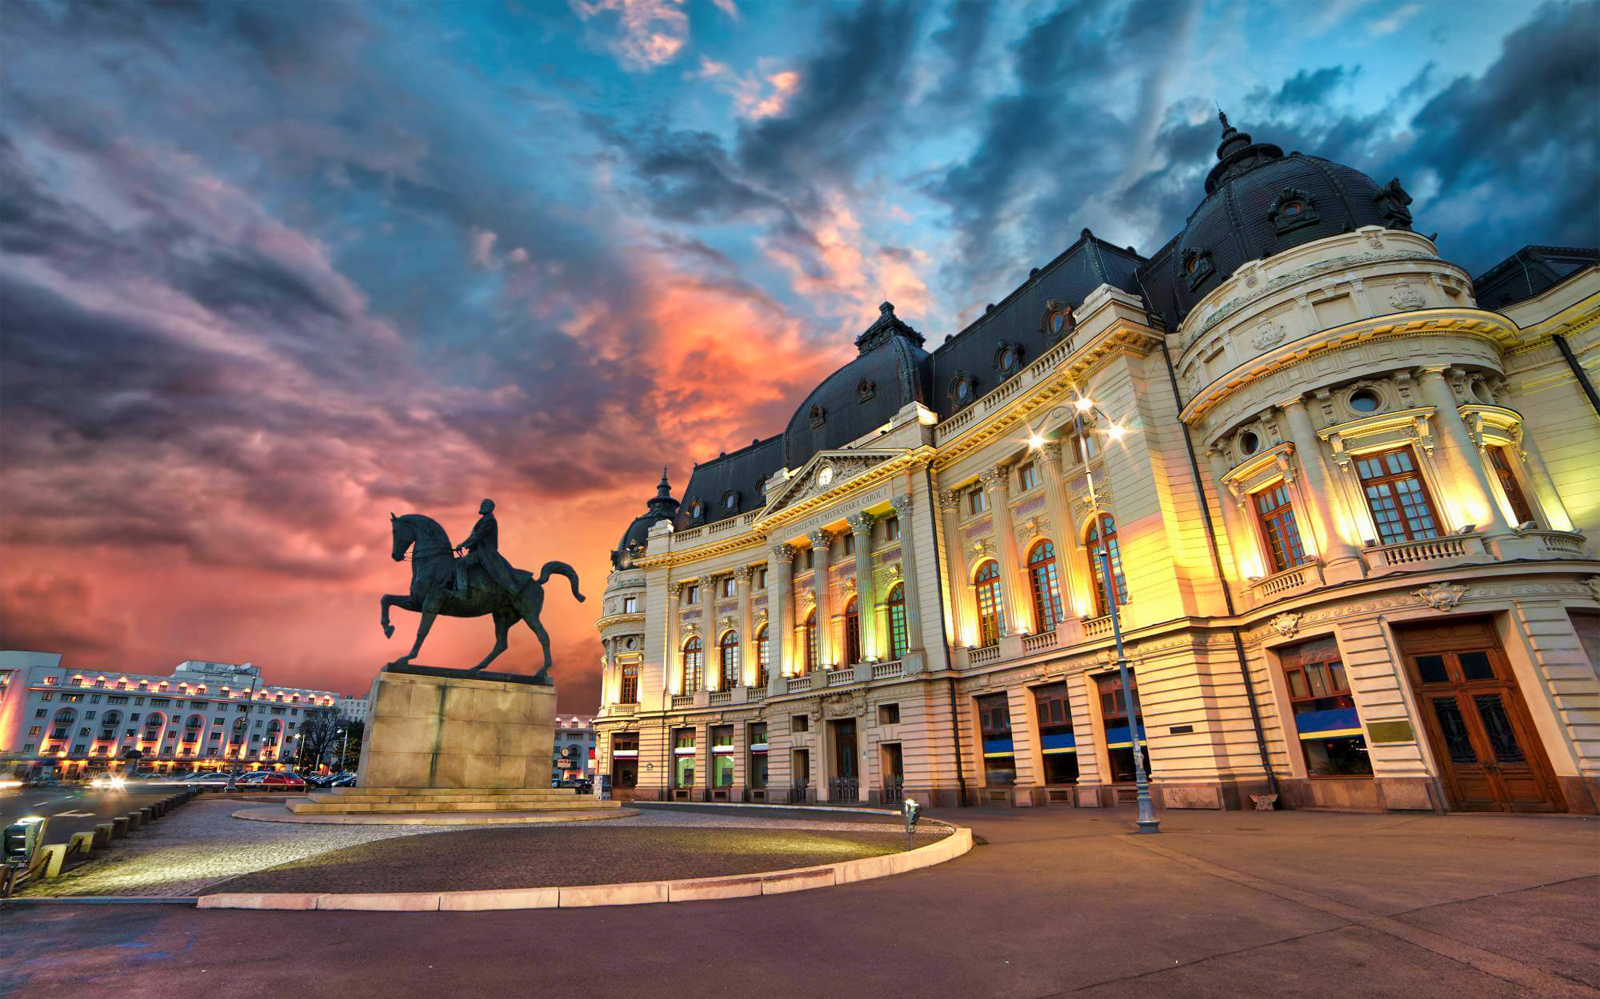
(977,500)
(991,604)
(898,639)
(852,632)
(694,661)
(722,756)
(625,759)
(756,736)
(813,650)
(1056,741)
(630,685)
(1046,588)
(630,605)
(1324,712)
(1281,535)
(850,543)
(763,657)
(692,593)
(1083,445)
(683,757)
(1028,476)
(999,759)
(1397,497)
(1103,532)
(1119,736)
(891,528)
(1500,461)
(728,661)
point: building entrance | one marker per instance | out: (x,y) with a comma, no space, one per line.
(1477,723)
(845,784)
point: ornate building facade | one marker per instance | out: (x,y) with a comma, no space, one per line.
(1338,495)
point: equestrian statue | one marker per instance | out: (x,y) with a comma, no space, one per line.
(478,583)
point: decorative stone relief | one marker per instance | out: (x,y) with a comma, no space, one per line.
(1286,624)
(1442,596)
(1268,334)
(1405,297)
(1594,586)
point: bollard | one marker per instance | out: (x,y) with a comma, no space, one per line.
(119,827)
(135,820)
(146,815)
(102,834)
(54,856)
(82,842)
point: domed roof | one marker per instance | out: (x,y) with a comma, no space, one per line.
(660,507)
(890,370)
(1260,202)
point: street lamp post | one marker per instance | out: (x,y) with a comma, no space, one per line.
(1147,821)
(344,746)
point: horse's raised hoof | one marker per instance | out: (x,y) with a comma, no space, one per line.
(388,631)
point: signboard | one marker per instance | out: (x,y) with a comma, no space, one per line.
(563,764)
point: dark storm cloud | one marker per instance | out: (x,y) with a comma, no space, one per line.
(961,42)
(687,176)
(1315,86)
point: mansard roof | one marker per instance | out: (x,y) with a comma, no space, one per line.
(738,474)
(1530,271)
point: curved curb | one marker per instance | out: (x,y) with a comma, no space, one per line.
(271,814)
(958,843)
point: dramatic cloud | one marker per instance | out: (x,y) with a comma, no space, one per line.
(269,272)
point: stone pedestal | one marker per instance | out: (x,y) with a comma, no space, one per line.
(437,728)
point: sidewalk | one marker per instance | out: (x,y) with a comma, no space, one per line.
(1286,904)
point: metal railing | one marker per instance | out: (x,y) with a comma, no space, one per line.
(844,790)
(894,790)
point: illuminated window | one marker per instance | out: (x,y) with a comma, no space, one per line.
(852,632)
(1057,743)
(994,725)
(630,605)
(1046,586)
(1275,515)
(1115,716)
(763,656)
(898,644)
(630,685)
(693,666)
(1397,497)
(891,528)
(1028,476)
(1103,533)
(692,593)
(728,661)
(1500,461)
(991,604)
(1325,715)
(977,500)
(813,653)
(727,587)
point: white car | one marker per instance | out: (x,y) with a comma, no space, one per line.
(108,782)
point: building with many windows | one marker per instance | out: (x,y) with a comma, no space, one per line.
(1336,495)
(202,716)
(572,757)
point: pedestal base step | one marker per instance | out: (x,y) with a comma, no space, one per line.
(396,800)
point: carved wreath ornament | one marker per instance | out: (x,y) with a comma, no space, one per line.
(1268,334)
(1442,596)
(1286,624)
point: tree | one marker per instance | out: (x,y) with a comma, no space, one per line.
(350,746)
(319,736)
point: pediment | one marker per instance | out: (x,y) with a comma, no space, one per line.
(824,473)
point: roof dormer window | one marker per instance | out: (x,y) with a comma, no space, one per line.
(1293,210)
(1197,266)
(963,389)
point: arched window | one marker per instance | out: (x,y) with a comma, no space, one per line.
(153,723)
(898,638)
(991,604)
(108,725)
(763,657)
(192,728)
(1104,532)
(813,651)
(694,661)
(1046,586)
(61,728)
(728,661)
(852,632)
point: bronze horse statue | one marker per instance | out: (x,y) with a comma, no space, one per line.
(433,593)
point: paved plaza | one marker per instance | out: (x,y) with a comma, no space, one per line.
(1055,902)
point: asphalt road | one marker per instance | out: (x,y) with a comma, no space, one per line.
(1287,905)
(75,809)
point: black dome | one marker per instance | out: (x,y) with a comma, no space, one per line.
(1260,202)
(890,371)
(660,507)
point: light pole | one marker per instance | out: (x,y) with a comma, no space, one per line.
(1147,821)
(344,746)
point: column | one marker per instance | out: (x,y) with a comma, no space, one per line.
(961,616)
(866,593)
(819,585)
(780,608)
(1242,538)
(1471,488)
(1075,596)
(672,679)
(908,573)
(747,643)
(1342,558)
(1019,605)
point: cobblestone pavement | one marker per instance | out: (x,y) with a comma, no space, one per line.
(201,845)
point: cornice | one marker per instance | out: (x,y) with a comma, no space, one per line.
(1489,326)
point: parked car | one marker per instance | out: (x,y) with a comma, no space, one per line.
(343,780)
(285,782)
(41,780)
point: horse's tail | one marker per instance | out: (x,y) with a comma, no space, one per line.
(561,569)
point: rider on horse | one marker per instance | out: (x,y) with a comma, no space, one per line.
(483,549)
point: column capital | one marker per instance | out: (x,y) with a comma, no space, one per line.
(901,503)
(743,573)
(1293,402)
(949,500)
(819,539)
(783,553)
(861,523)
(673,589)
(1052,452)
(994,479)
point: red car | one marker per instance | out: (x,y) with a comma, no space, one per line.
(291,782)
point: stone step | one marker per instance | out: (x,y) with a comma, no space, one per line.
(541,791)
(398,807)
(452,796)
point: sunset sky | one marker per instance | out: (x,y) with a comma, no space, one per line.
(272,272)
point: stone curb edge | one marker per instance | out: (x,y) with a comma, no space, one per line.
(957,844)
(436,818)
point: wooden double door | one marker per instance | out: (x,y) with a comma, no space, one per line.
(1490,757)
